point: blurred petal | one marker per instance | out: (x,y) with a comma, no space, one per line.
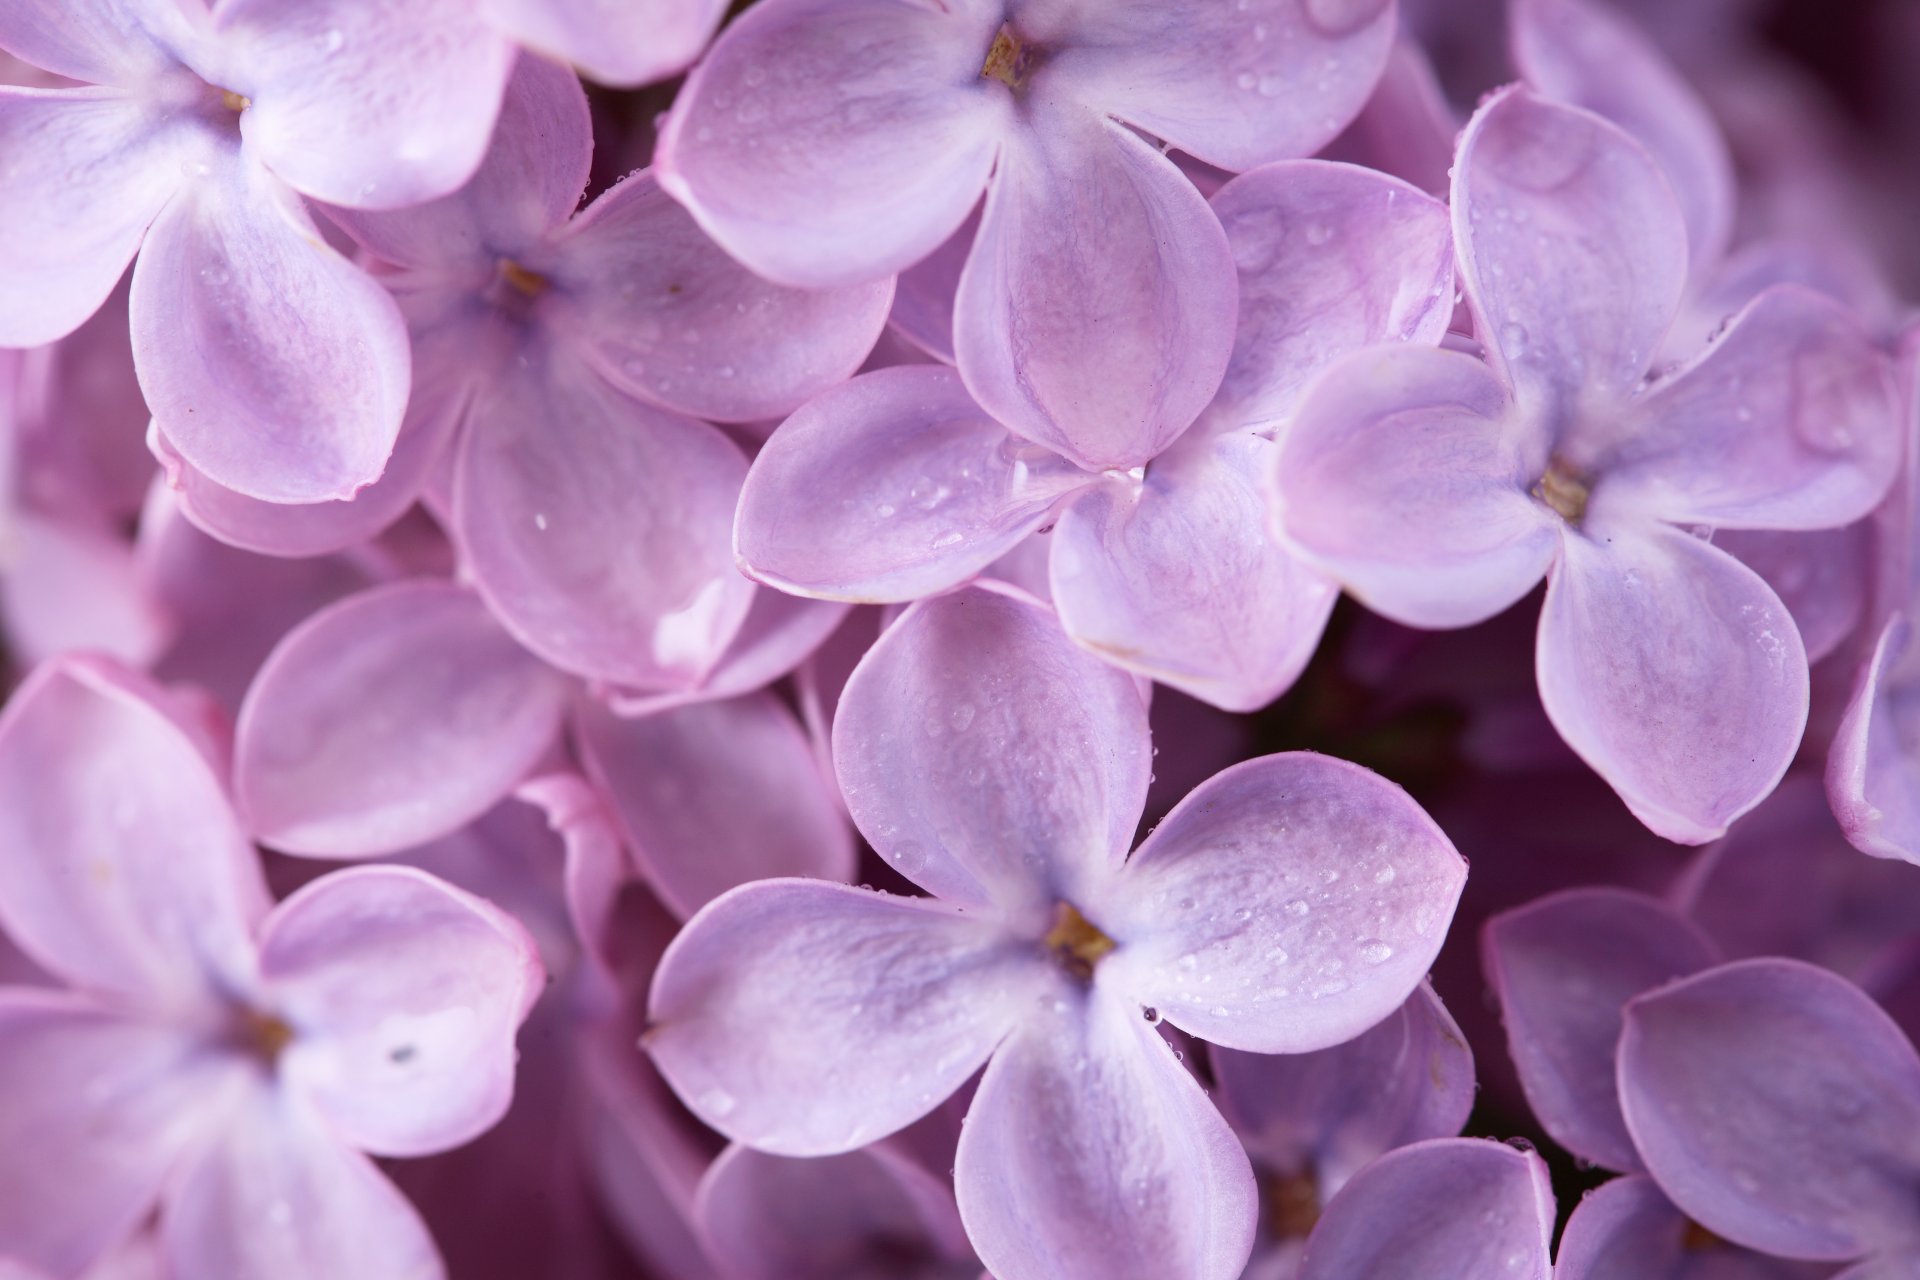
(1870,770)
(1404,476)
(831,142)
(1450,1209)
(923,295)
(1088,1141)
(890,487)
(389,719)
(1563,968)
(65,585)
(779,633)
(806,1018)
(102,41)
(1627,1229)
(1096,313)
(1807,1150)
(124,870)
(1822,576)
(404,994)
(625,44)
(1287,904)
(1675,673)
(988,757)
(275,366)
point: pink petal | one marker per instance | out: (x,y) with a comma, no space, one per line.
(1563,967)
(779,633)
(1087,1141)
(1870,770)
(1822,576)
(1449,1209)
(404,994)
(100,41)
(923,295)
(124,868)
(1235,86)
(275,366)
(890,487)
(1407,127)
(596,527)
(1331,258)
(1402,475)
(624,44)
(1287,904)
(1627,1229)
(1807,1150)
(716,794)
(832,142)
(1675,673)
(1096,313)
(389,719)
(100,1110)
(988,757)
(307,66)
(1788,422)
(1585,55)
(280,1197)
(68,585)
(87,171)
(670,317)
(1177,578)
(1572,248)
(806,1018)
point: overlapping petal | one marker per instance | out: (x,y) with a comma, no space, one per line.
(1627,1229)
(1870,770)
(100,41)
(617,44)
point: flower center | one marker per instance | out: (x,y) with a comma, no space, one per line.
(1077,943)
(1695,1238)
(263,1035)
(1009,59)
(1565,491)
(234,102)
(530,283)
(1293,1204)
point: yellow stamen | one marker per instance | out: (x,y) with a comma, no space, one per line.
(233,101)
(531,283)
(1293,1202)
(1078,943)
(1694,1238)
(264,1034)
(1564,491)
(1008,61)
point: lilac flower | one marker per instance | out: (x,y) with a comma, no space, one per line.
(1440,489)
(226,1058)
(1287,905)
(829,141)
(899,483)
(1628,1229)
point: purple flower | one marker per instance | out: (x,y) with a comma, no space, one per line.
(229,1059)
(1286,905)
(1440,489)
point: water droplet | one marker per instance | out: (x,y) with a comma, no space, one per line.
(1375,951)
(1151,1014)
(1513,340)
(1384,875)
(717,1103)
(1298,907)
(961,717)
(333,40)
(1319,233)
(540,521)
(1246,80)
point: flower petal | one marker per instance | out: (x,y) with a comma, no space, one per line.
(988,757)
(1096,312)
(1087,1141)
(389,719)
(779,633)
(100,41)
(274,365)
(1177,578)
(404,994)
(1870,770)
(1449,1209)
(1823,576)
(1402,475)
(891,487)
(596,527)
(1563,968)
(624,45)
(1332,257)
(124,869)
(1807,1150)
(716,794)
(670,317)
(1572,248)
(807,1018)
(69,585)
(1287,904)
(1675,673)
(832,142)
(1627,1229)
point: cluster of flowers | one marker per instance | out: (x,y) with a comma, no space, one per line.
(475,609)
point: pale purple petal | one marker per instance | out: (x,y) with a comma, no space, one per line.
(124,870)
(1675,673)
(715,794)
(390,719)
(1175,576)
(1087,1140)
(1563,968)
(1629,1230)
(1404,476)
(890,487)
(1449,1209)
(924,293)
(596,527)
(617,42)
(671,317)
(1572,248)
(1823,576)
(1407,127)
(1807,1149)
(1287,904)
(831,142)
(274,365)
(780,632)
(806,1018)
(1096,313)
(101,41)
(1331,258)
(988,757)
(403,994)
(67,585)
(1870,770)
